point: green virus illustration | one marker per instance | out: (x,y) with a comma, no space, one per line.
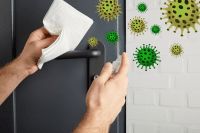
(138,26)
(109,9)
(142,7)
(93,41)
(181,14)
(155,29)
(176,50)
(146,57)
(112,37)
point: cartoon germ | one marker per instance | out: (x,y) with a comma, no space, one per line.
(112,37)
(181,14)
(142,7)
(138,26)
(146,57)
(155,29)
(109,9)
(93,41)
(176,50)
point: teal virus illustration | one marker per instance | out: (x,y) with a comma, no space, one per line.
(112,37)
(155,29)
(138,26)
(142,7)
(109,9)
(181,15)
(176,50)
(92,41)
(146,57)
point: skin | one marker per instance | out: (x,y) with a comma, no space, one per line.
(105,99)
(25,64)
(106,95)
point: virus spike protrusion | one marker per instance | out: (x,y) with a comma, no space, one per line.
(176,50)
(169,27)
(175,30)
(182,30)
(181,14)
(146,56)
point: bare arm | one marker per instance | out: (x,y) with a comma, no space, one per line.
(10,76)
(105,99)
(26,64)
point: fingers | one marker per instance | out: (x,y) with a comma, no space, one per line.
(123,70)
(38,34)
(46,42)
(106,72)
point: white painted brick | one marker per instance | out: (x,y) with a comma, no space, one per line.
(172,114)
(129,127)
(172,65)
(129,98)
(193,64)
(145,98)
(194,129)
(187,81)
(172,98)
(144,128)
(171,129)
(151,114)
(194,99)
(186,116)
(194,50)
(147,80)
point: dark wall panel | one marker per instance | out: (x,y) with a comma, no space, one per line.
(6,112)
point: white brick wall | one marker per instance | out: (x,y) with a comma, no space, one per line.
(194,130)
(170,129)
(147,114)
(186,116)
(193,64)
(145,98)
(144,128)
(177,99)
(165,99)
(194,99)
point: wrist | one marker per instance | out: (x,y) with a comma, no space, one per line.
(97,117)
(28,67)
(20,67)
(92,122)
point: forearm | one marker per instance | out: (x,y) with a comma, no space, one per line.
(92,124)
(10,77)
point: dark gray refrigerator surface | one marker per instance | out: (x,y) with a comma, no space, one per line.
(53,99)
(6,110)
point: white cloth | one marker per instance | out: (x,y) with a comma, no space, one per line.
(67,22)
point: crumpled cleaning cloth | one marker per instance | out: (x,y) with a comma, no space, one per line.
(69,24)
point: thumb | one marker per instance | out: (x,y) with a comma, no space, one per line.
(106,72)
(47,42)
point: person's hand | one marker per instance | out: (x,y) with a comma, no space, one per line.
(107,93)
(32,51)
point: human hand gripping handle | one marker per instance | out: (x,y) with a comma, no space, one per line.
(105,99)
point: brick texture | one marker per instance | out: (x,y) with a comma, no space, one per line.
(165,99)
